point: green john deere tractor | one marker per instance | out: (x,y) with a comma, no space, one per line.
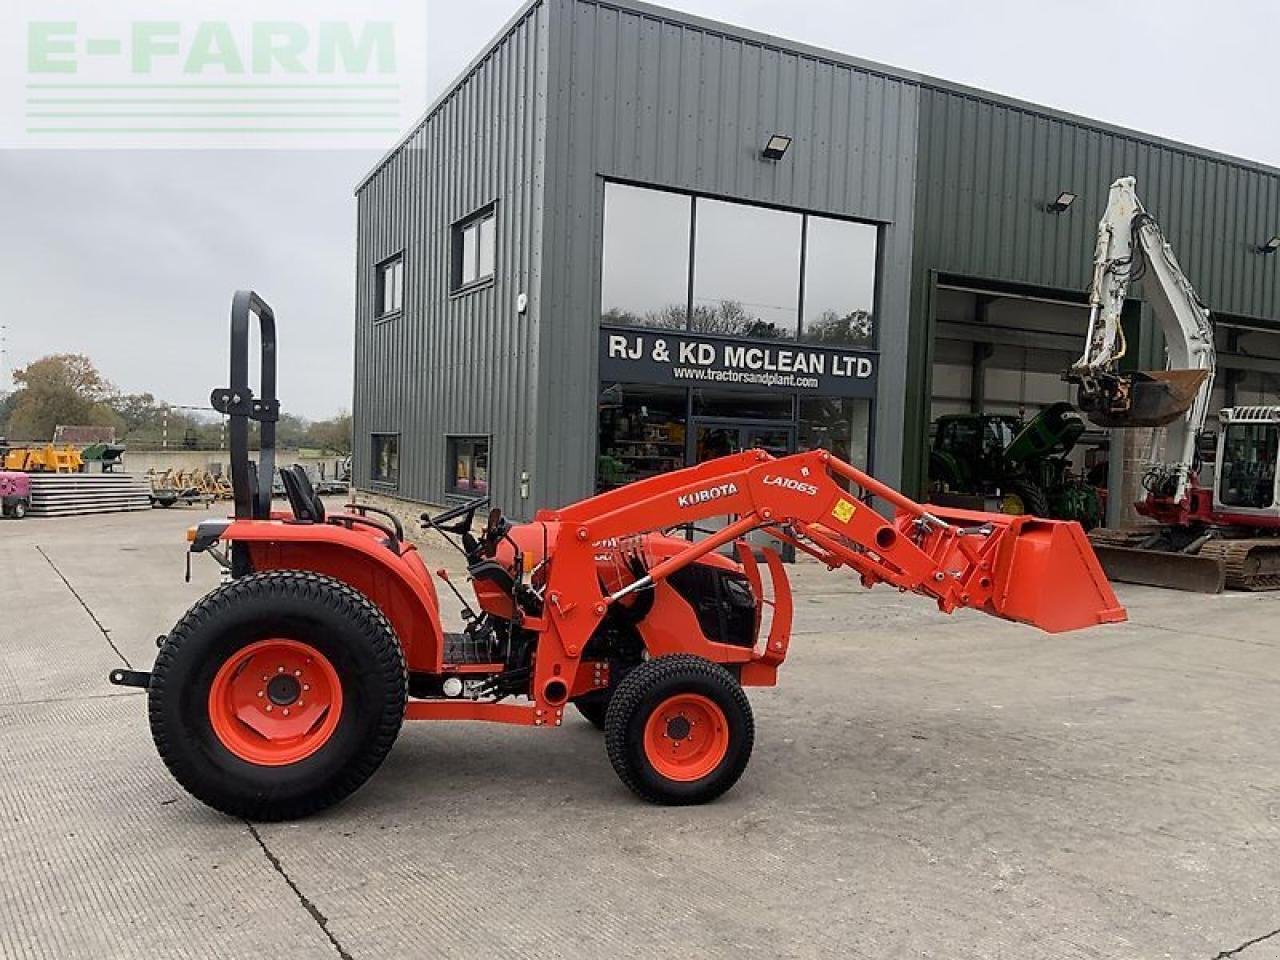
(993,461)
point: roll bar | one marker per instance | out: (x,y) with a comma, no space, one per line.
(250,484)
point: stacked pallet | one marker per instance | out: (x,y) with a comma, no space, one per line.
(65,494)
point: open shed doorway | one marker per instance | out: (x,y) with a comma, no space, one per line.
(999,353)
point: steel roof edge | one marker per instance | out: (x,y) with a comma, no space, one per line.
(486,51)
(925,80)
(730,31)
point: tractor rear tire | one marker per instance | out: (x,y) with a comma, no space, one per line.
(679,730)
(277,695)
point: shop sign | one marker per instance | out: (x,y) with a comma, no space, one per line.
(665,357)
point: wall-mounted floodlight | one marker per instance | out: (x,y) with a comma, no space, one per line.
(776,147)
(1065,199)
(1271,246)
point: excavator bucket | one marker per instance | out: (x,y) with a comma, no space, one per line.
(1139,399)
(1044,573)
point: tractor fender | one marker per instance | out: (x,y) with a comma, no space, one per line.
(398,583)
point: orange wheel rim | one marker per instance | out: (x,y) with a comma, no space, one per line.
(275,702)
(686,737)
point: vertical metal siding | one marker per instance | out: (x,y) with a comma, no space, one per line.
(986,170)
(466,364)
(642,96)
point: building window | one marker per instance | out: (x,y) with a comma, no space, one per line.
(386,458)
(641,433)
(390,294)
(680,262)
(841,425)
(645,278)
(746,271)
(474,249)
(839,282)
(469,465)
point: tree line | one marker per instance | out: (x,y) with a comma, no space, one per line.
(67,389)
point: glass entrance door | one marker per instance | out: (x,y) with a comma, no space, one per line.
(718,438)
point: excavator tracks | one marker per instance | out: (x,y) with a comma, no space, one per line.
(1252,564)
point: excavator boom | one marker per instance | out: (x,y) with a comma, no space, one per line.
(1203,537)
(1130,246)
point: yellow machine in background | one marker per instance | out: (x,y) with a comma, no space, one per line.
(43,459)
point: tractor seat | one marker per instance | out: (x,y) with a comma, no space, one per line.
(495,573)
(303,501)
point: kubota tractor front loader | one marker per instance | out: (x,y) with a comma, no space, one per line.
(280,692)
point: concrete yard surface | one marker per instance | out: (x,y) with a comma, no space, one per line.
(922,786)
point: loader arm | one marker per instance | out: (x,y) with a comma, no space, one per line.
(1023,568)
(1131,246)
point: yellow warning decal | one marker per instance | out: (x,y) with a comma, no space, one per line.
(843,510)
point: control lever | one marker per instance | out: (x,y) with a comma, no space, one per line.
(467,612)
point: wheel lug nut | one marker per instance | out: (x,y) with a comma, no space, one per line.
(279,669)
(306,686)
(286,711)
(268,708)
(259,693)
(297,673)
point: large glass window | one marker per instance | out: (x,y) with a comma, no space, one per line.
(646,257)
(741,405)
(838,424)
(746,270)
(839,282)
(469,465)
(642,433)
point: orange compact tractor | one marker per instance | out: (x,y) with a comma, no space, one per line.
(280,692)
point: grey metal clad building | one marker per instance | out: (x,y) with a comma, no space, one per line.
(627,239)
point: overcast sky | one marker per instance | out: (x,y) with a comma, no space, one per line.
(131,256)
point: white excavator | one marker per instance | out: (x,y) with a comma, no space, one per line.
(1201,537)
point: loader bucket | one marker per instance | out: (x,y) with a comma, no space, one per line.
(1139,399)
(1045,573)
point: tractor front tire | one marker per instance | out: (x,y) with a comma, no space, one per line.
(1032,496)
(277,695)
(679,730)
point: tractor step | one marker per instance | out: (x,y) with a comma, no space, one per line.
(130,678)
(461,649)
